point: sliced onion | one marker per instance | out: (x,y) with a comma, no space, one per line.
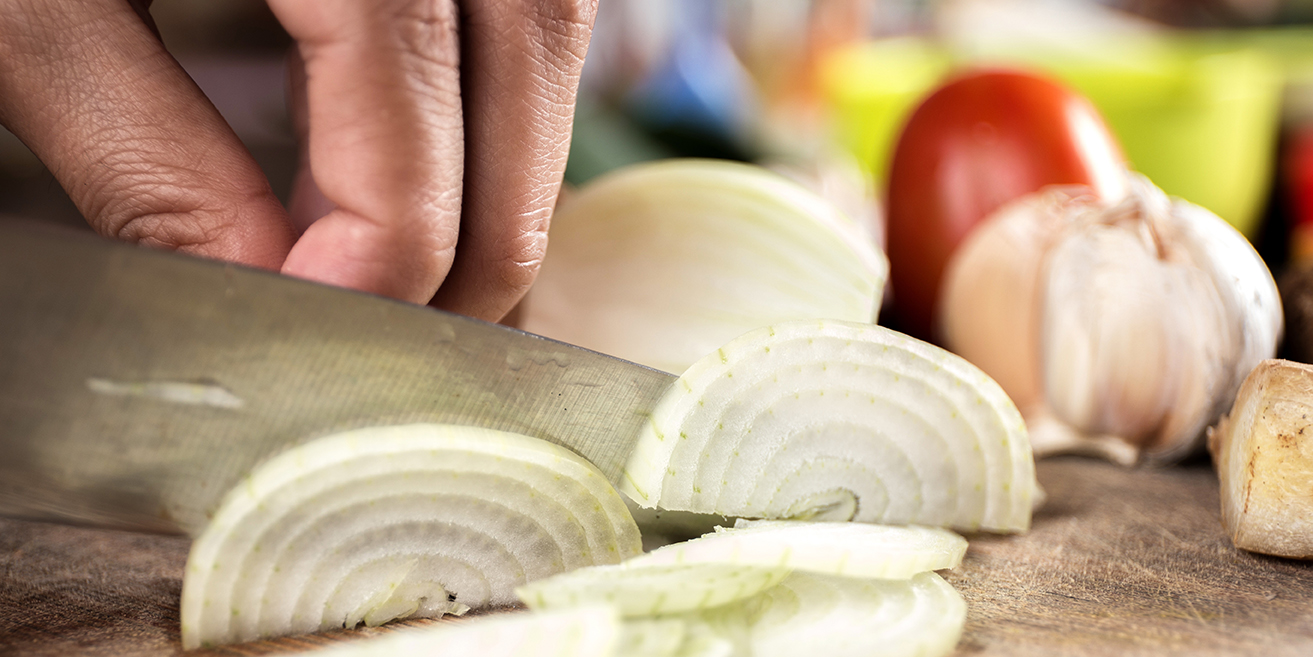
(699,640)
(833,420)
(565,633)
(873,551)
(651,637)
(662,263)
(651,589)
(389,522)
(733,564)
(587,631)
(811,614)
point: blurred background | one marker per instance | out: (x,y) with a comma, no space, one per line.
(1212,99)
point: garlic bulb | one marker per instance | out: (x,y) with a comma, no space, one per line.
(1135,321)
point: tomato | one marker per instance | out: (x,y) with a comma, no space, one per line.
(982,139)
(1298,169)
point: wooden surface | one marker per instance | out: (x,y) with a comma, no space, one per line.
(1119,562)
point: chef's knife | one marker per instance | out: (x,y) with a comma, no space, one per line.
(137,386)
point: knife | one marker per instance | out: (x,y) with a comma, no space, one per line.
(138,386)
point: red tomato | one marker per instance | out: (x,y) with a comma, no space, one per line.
(1298,170)
(981,140)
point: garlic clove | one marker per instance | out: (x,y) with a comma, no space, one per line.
(1122,336)
(1050,436)
(1246,287)
(989,302)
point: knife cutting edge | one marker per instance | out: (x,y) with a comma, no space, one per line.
(138,386)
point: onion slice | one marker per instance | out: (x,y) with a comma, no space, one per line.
(810,614)
(391,522)
(564,633)
(854,550)
(589,631)
(660,263)
(651,589)
(733,564)
(831,420)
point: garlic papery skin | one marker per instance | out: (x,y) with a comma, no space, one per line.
(1249,294)
(989,308)
(1131,343)
(1119,329)
(1148,312)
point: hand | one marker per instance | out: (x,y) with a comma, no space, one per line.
(434,136)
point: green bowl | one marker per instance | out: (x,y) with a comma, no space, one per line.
(1197,114)
(872,87)
(1198,120)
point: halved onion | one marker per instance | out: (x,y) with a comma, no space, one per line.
(390,522)
(832,420)
(661,263)
(564,633)
(854,550)
(811,614)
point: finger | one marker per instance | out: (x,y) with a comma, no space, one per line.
(385,142)
(520,73)
(137,146)
(307,203)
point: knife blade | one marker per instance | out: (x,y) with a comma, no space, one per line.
(138,386)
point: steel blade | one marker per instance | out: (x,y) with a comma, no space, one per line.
(137,386)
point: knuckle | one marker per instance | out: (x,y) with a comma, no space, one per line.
(152,204)
(521,254)
(427,38)
(429,29)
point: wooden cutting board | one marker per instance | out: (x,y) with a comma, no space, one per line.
(1120,562)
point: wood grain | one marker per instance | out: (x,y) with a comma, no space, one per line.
(1120,562)
(1131,562)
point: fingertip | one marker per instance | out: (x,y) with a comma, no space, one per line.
(346,250)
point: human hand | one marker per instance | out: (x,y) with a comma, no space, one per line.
(434,134)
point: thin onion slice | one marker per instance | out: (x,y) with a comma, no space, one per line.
(588,631)
(733,564)
(642,589)
(390,522)
(832,420)
(651,637)
(854,550)
(810,614)
(696,638)
(593,631)
(660,263)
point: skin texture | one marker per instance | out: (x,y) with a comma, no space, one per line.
(434,138)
